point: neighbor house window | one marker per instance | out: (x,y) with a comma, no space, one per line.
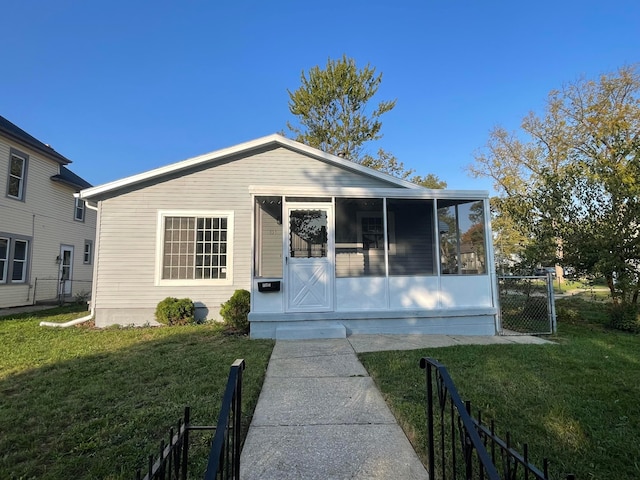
(14,256)
(462,237)
(88,252)
(17,175)
(79,210)
(196,247)
(4,259)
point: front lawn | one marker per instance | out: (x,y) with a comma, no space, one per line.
(575,402)
(87,403)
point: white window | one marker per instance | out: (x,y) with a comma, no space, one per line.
(17,175)
(195,248)
(19,273)
(88,252)
(79,210)
(4,259)
(14,257)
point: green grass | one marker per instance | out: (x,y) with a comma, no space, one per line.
(87,403)
(575,402)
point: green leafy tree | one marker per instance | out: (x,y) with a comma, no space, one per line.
(333,110)
(571,188)
(331,107)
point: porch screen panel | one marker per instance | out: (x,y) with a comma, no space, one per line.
(462,237)
(411,237)
(268,247)
(359,238)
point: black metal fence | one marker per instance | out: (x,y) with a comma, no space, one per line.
(527,305)
(460,446)
(172,463)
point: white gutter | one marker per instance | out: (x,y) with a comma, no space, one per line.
(67,324)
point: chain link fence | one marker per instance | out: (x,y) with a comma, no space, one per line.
(527,305)
(54,290)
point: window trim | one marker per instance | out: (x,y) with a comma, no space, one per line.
(87,260)
(23,179)
(9,267)
(76,208)
(4,274)
(162,214)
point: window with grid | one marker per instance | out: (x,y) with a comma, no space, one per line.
(195,248)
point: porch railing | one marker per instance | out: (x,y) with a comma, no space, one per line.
(172,463)
(460,446)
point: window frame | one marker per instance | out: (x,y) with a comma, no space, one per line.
(160,230)
(460,270)
(87,257)
(13,153)
(4,272)
(10,260)
(79,205)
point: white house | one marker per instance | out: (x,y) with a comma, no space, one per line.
(326,247)
(46,235)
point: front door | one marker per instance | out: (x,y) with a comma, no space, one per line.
(309,257)
(66,269)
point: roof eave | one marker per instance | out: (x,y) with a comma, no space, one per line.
(219,155)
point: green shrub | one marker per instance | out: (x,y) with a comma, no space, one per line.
(235,311)
(624,316)
(173,311)
(567,314)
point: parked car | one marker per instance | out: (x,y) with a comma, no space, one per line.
(543,271)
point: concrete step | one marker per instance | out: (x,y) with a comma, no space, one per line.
(305,332)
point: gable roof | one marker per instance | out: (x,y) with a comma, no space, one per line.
(270,141)
(20,136)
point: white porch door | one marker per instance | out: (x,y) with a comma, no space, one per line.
(309,257)
(66,269)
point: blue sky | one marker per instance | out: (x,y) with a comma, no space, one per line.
(121,87)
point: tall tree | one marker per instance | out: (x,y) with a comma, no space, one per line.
(333,110)
(331,106)
(571,186)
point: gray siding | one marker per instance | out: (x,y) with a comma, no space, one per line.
(125,284)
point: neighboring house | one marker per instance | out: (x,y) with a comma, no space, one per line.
(46,235)
(327,247)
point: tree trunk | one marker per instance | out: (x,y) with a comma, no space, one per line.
(612,289)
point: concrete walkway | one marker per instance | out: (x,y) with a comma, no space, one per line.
(320,416)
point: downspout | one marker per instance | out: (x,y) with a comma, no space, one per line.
(95,208)
(70,323)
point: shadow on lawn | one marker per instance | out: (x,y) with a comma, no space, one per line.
(101,413)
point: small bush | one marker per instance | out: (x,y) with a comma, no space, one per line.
(624,316)
(567,314)
(235,311)
(173,311)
